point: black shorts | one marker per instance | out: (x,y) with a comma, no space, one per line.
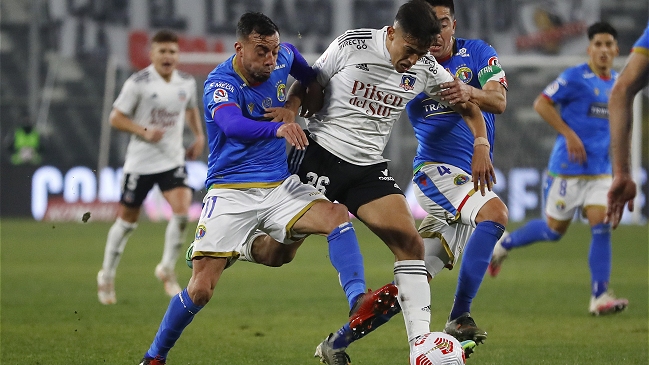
(136,187)
(349,184)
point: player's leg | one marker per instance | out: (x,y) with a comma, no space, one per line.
(602,300)
(134,190)
(224,225)
(179,196)
(562,198)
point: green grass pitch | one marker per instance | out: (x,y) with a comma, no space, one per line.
(535,311)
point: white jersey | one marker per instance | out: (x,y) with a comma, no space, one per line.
(150,101)
(364,95)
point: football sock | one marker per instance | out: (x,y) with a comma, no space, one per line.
(115,242)
(475,261)
(346,258)
(174,239)
(343,337)
(599,258)
(411,279)
(180,313)
(534,231)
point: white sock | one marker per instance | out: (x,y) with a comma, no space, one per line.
(115,242)
(414,296)
(174,239)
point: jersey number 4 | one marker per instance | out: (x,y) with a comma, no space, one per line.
(319,182)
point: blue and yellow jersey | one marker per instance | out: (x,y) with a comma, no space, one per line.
(238,162)
(582,97)
(642,44)
(442,134)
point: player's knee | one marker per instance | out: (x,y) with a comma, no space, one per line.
(338,215)
(200,294)
(495,211)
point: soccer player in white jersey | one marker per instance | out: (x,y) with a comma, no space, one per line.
(153,106)
(368,76)
(579,168)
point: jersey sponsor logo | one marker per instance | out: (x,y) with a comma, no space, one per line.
(492,71)
(222,85)
(281,92)
(598,110)
(200,232)
(461,179)
(163,118)
(374,101)
(279,67)
(385,172)
(267,103)
(435,107)
(220,95)
(354,38)
(407,82)
(464,73)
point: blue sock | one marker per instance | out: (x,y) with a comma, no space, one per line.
(599,258)
(534,231)
(179,314)
(345,256)
(475,261)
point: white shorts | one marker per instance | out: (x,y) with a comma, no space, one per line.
(564,195)
(446,193)
(230,216)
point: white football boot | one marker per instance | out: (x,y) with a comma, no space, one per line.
(168,278)
(105,289)
(607,303)
(499,255)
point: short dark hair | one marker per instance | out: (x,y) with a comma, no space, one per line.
(255,22)
(601,27)
(418,20)
(164,36)
(445,3)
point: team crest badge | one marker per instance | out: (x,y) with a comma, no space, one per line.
(267,103)
(200,232)
(281,92)
(560,205)
(461,180)
(465,74)
(407,82)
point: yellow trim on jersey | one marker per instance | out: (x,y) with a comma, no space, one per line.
(582,177)
(246,185)
(449,253)
(440,113)
(236,69)
(641,50)
(291,223)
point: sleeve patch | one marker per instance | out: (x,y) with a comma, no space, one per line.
(220,95)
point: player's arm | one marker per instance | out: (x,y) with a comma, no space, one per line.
(122,122)
(492,98)
(195,150)
(631,80)
(545,107)
(482,169)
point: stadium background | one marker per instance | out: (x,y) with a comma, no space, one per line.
(63,61)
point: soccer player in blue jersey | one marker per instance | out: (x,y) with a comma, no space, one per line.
(248,182)
(579,170)
(631,80)
(458,220)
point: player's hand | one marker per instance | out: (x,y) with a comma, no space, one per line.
(576,150)
(482,170)
(153,135)
(195,150)
(622,191)
(293,134)
(280,114)
(455,91)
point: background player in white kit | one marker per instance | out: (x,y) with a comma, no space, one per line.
(368,76)
(153,106)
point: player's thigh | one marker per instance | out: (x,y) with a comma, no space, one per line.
(173,184)
(595,200)
(443,240)
(287,216)
(389,217)
(135,188)
(563,197)
(445,192)
(319,168)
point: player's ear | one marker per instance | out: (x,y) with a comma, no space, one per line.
(391,33)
